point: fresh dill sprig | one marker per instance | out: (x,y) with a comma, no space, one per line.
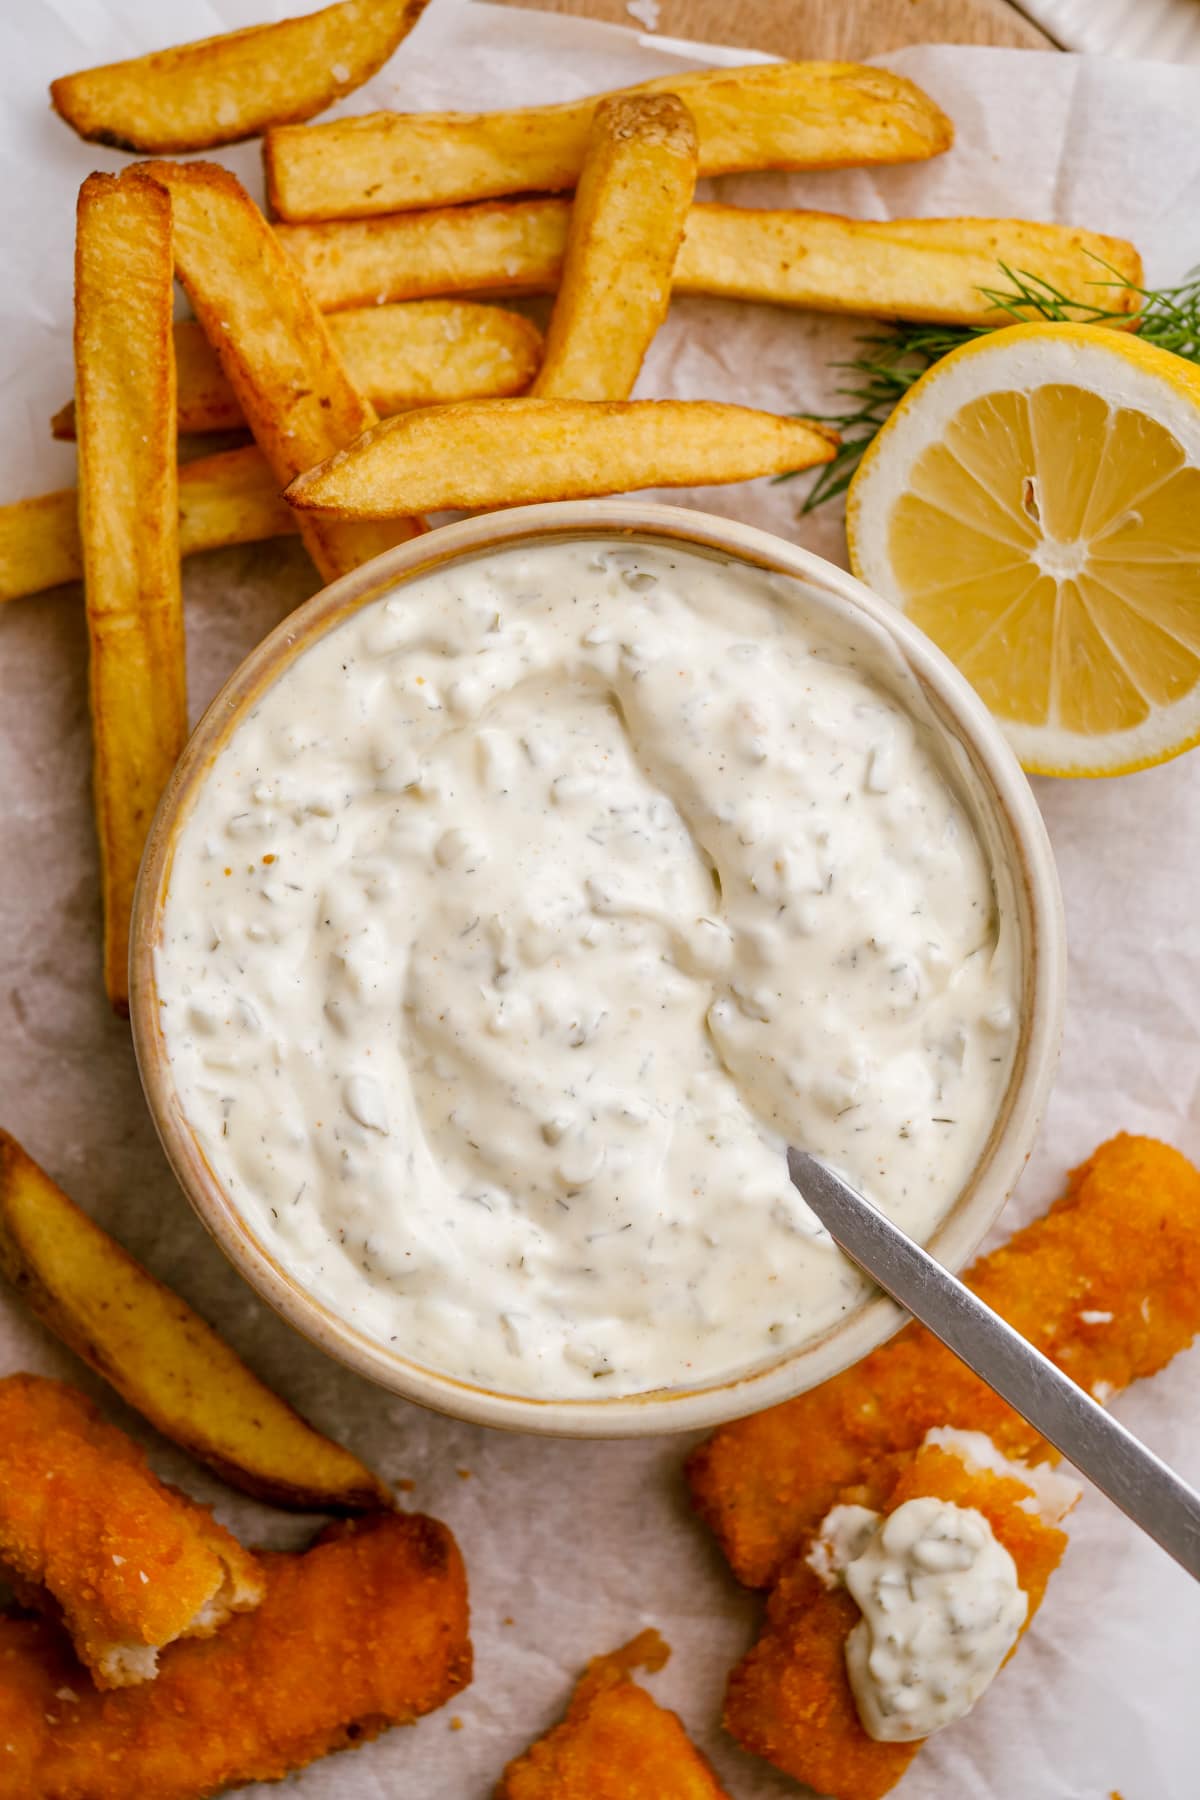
(894,358)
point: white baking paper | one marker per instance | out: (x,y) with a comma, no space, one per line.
(572,1547)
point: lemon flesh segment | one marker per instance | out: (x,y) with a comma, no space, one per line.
(1047,537)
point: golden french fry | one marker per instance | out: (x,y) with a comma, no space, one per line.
(901,268)
(274,347)
(221,89)
(128,526)
(414,355)
(511,452)
(39,544)
(932,269)
(233,498)
(803,115)
(228,499)
(499,246)
(161,1356)
(627,222)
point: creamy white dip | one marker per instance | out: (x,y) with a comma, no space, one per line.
(528,915)
(940,1597)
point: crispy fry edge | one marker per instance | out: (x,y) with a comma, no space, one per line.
(128,526)
(624,233)
(223,89)
(36,1217)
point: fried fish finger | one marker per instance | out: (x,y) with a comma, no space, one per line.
(1107,1284)
(366,1629)
(791,1699)
(615,1743)
(131,1564)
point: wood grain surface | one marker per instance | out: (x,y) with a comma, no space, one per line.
(823,28)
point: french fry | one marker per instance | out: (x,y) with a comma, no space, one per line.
(160,1356)
(128,527)
(414,355)
(222,89)
(512,452)
(273,345)
(228,499)
(499,246)
(804,115)
(233,498)
(900,268)
(934,269)
(627,222)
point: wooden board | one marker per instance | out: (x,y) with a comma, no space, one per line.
(823,28)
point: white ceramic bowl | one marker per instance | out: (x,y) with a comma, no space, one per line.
(1006,815)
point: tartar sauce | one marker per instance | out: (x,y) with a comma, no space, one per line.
(941,1609)
(940,1598)
(527,916)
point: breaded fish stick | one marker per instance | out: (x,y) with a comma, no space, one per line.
(1107,1284)
(790,1700)
(132,1565)
(366,1629)
(615,1743)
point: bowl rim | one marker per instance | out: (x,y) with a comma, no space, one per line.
(1015,819)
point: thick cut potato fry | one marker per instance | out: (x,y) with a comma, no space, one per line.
(128,527)
(514,452)
(160,1356)
(615,1743)
(627,221)
(232,498)
(804,115)
(934,269)
(274,347)
(222,89)
(415,355)
(900,268)
(499,246)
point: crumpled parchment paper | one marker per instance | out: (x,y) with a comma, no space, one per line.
(574,1547)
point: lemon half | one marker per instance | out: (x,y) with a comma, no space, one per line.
(1034,505)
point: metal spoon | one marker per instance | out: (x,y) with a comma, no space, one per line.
(1144,1488)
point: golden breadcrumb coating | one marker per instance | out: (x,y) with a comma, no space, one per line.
(1107,1284)
(790,1698)
(615,1743)
(366,1629)
(129,1563)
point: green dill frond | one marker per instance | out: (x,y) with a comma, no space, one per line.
(893,358)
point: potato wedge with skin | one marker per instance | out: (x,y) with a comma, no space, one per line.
(498,247)
(160,1356)
(232,498)
(513,452)
(802,115)
(931,269)
(128,527)
(273,345)
(222,89)
(626,226)
(418,354)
